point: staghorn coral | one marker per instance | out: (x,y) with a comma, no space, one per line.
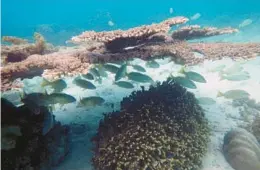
(195,32)
(19,52)
(241,150)
(160,128)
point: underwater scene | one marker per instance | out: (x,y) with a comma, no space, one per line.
(130,85)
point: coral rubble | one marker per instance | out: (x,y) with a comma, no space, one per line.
(145,42)
(160,128)
(241,150)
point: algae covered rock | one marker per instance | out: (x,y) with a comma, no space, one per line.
(241,150)
(160,128)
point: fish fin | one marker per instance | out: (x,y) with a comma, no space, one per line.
(182,70)
(45,82)
(45,92)
(220,94)
(22,94)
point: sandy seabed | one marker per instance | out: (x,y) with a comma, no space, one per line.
(222,115)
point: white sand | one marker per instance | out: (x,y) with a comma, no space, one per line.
(222,116)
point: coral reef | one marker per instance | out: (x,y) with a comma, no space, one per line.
(119,39)
(160,128)
(23,144)
(195,31)
(21,50)
(241,150)
(145,42)
(14,40)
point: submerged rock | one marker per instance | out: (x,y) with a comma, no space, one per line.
(241,150)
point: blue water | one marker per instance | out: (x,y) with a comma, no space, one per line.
(58,20)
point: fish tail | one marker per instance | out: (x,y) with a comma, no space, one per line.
(45,82)
(220,94)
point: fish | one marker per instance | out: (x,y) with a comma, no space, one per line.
(193,76)
(60,98)
(94,72)
(110,23)
(152,64)
(44,99)
(124,84)
(58,85)
(233,69)
(121,72)
(84,83)
(206,101)
(102,70)
(139,77)
(88,76)
(138,68)
(218,68)
(185,82)
(244,23)
(34,99)
(236,77)
(234,94)
(90,101)
(171,10)
(195,16)
(111,68)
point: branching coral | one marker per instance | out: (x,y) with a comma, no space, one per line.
(241,150)
(161,128)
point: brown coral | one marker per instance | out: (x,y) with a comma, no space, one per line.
(20,51)
(14,40)
(195,32)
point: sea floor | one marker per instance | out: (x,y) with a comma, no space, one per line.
(222,115)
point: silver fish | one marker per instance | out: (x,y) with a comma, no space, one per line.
(234,94)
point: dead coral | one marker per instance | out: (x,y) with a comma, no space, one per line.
(233,50)
(119,39)
(162,128)
(195,32)
(16,53)
(14,40)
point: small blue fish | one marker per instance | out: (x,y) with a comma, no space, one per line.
(124,84)
(121,72)
(185,82)
(84,83)
(88,76)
